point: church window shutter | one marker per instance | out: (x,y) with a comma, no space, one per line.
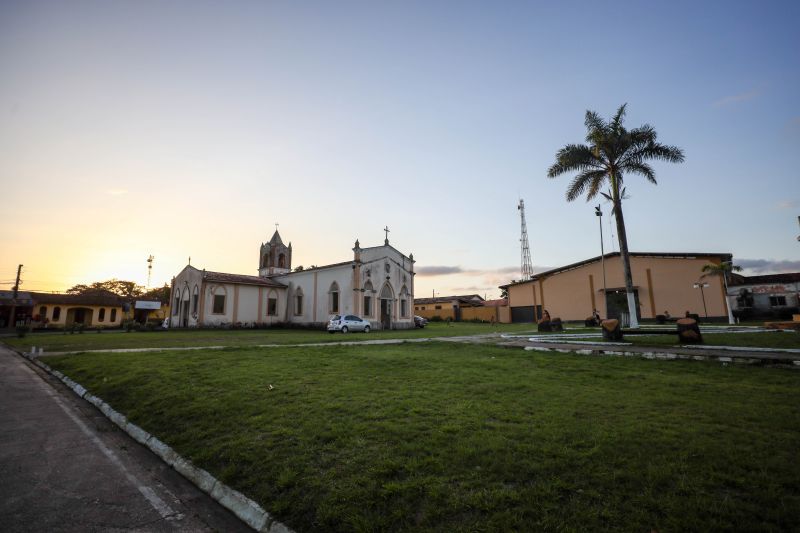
(219,304)
(272,304)
(333,298)
(404,302)
(195,299)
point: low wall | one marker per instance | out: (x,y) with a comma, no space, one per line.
(443,313)
(485,314)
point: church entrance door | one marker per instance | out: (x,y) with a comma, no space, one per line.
(386,306)
(185,313)
(386,314)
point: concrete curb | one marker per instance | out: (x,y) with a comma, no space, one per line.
(668,356)
(240,505)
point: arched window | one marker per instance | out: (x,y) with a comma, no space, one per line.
(404,302)
(386,292)
(368,292)
(281,261)
(195,299)
(333,298)
(114,315)
(218,300)
(272,303)
(56,314)
(43,312)
(101,315)
(298,301)
(264,260)
(176,305)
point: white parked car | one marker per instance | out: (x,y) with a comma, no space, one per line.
(345,323)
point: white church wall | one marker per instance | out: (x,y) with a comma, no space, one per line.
(248,304)
(317,310)
(210,318)
(183,286)
(384,265)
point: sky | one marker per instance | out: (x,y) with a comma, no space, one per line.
(186,129)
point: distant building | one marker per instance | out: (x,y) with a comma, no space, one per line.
(662,282)
(376,284)
(49,310)
(446,306)
(463,307)
(15,310)
(771,295)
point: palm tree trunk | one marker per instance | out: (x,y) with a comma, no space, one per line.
(623,251)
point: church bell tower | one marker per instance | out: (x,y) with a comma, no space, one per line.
(274,257)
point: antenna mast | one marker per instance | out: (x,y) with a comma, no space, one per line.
(527,266)
(149,269)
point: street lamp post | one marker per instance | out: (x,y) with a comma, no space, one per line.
(599,213)
(702,285)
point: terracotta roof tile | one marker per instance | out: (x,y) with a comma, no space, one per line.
(224,277)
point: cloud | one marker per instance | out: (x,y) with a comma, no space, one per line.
(474,290)
(441,270)
(768,266)
(438,270)
(737,98)
(117,192)
(788,204)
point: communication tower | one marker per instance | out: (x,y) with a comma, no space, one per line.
(527,266)
(149,269)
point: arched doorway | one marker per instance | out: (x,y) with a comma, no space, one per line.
(387,299)
(185,308)
(79,315)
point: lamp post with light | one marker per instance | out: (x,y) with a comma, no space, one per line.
(702,285)
(599,213)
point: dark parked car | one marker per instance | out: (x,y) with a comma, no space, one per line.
(420,322)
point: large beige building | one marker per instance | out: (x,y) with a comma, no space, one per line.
(376,284)
(663,282)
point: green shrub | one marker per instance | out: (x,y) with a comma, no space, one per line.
(22,331)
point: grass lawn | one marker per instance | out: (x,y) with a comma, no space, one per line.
(457,437)
(59,342)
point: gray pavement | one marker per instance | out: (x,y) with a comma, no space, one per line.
(755,356)
(65,467)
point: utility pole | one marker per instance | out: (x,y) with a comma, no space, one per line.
(12,317)
(16,284)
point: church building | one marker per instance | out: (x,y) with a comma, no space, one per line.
(376,284)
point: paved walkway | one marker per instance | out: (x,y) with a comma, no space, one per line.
(65,467)
(759,356)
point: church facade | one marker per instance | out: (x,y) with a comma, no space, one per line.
(376,284)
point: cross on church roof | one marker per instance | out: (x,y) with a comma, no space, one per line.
(386,240)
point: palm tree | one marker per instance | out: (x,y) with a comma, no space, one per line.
(612,152)
(721,270)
